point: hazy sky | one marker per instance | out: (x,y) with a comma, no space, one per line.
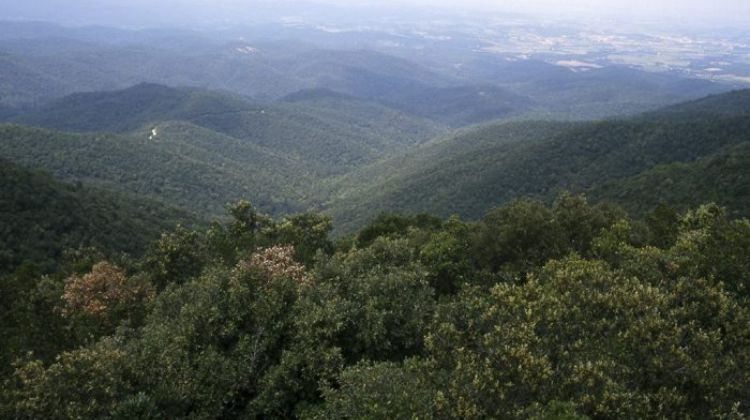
(727,11)
(561,5)
(735,10)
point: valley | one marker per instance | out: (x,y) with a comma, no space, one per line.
(350,157)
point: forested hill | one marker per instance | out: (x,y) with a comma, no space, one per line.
(483,87)
(41,217)
(322,147)
(722,178)
(184,165)
(735,103)
(325,138)
(130,109)
(476,169)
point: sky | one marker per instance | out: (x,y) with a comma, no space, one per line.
(737,11)
(734,12)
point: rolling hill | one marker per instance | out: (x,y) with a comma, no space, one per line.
(559,92)
(462,105)
(41,217)
(453,106)
(479,168)
(197,172)
(729,104)
(722,178)
(44,62)
(357,152)
(199,150)
(46,68)
(128,109)
(323,138)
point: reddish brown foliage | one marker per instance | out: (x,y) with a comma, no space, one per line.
(105,287)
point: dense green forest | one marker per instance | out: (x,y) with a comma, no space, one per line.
(722,178)
(40,218)
(197,172)
(321,137)
(570,310)
(353,159)
(472,170)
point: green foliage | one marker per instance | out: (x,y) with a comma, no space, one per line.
(514,239)
(517,237)
(308,233)
(176,256)
(40,218)
(30,320)
(720,178)
(450,257)
(86,383)
(199,171)
(579,223)
(663,223)
(567,311)
(394,225)
(611,345)
(555,410)
(207,344)
(379,391)
(712,246)
(638,162)
(387,296)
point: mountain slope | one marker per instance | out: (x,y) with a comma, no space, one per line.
(196,172)
(730,104)
(723,178)
(40,217)
(480,168)
(462,105)
(322,137)
(128,109)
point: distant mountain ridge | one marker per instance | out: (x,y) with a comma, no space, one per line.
(729,104)
(199,149)
(41,62)
(322,139)
(315,94)
(129,109)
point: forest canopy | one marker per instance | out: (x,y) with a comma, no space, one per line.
(569,310)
